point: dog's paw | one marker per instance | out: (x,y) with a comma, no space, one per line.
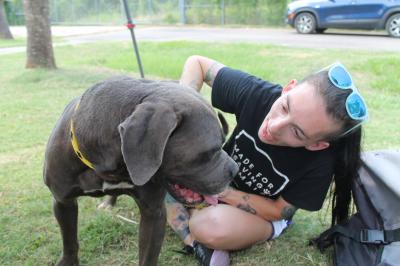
(105,205)
(68,261)
(108,203)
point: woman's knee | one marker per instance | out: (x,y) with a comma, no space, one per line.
(208,226)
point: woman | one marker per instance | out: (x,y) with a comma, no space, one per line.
(288,142)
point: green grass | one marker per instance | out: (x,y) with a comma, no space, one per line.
(21,41)
(5,43)
(32,100)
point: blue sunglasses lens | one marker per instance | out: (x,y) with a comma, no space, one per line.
(340,77)
(356,107)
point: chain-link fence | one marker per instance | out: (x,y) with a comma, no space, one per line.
(110,12)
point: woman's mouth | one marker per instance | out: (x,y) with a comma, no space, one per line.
(264,133)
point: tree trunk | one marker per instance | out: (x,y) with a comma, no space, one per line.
(39,44)
(5,32)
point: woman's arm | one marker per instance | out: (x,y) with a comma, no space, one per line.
(199,69)
(267,209)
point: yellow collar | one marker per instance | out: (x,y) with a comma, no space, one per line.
(75,145)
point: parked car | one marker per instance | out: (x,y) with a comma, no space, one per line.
(315,16)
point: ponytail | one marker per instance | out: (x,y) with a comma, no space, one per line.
(347,162)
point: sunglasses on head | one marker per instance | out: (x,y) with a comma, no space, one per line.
(355,105)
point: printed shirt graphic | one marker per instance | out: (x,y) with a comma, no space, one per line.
(254,166)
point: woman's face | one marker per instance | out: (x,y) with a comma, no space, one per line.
(298,119)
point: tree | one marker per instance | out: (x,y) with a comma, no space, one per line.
(5,32)
(39,44)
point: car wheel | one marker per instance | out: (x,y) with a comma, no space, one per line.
(393,25)
(321,30)
(305,23)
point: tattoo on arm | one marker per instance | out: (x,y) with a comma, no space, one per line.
(288,212)
(246,206)
(212,72)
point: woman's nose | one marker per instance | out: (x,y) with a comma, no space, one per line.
(276,126)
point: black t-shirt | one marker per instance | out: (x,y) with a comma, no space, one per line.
(300,176)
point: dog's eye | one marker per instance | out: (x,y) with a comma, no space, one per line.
(206,156)
(203,157)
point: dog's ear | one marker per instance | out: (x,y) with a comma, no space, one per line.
(224,124)
(144,135)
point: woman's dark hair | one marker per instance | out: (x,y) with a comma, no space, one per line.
(346,148)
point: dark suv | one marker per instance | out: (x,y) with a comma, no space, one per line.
(315,16)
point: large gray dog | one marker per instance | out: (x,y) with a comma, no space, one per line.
(135,137)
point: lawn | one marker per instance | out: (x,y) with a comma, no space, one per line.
(21,41)
(5,43)
(32,100)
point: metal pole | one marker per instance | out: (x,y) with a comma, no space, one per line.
(55,8)
(96,3)
(182,11)
(72,11)
(150,10)
(130,26)
(222,12)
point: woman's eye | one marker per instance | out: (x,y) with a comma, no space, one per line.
(296,133)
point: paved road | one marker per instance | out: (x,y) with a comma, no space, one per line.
(353,40)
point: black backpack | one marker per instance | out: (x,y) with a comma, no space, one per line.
(372,234)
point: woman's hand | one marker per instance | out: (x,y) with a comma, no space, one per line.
(224,194)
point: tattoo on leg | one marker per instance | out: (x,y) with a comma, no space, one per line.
(177,217)
(182,226)
(288,212)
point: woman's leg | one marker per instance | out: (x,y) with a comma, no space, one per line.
(178,218)
(228,228)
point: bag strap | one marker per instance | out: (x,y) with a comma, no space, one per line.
(392,235)
(364,236)
(368,236)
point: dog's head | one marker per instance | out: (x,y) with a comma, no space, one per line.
(182,142)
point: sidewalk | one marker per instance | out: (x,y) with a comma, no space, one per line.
(67,31)
(61,31)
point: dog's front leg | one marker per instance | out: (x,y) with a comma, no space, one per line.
(152,225)
(66,214)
